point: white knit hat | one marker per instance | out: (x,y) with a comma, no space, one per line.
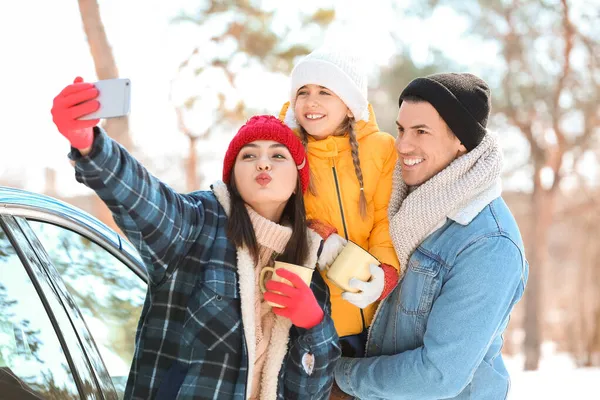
(339,71)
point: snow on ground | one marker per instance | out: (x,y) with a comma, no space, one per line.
(556,378)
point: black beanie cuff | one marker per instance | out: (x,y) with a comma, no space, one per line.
(459,119)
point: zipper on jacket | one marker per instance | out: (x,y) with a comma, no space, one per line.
(339,196)
(364,323)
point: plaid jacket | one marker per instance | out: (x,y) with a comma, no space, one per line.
(191,342)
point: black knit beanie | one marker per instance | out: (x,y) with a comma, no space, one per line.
(462,100)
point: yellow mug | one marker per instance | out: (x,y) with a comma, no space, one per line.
(304,273)
(352,262)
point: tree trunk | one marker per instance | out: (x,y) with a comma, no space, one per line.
(106,68)
(191,166)
(593,337)
(594,347)
(50,188)
(105,65)
(543,209)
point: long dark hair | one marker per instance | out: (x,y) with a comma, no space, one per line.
(241,232)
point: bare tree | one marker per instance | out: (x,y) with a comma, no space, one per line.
(251,29)
(104,63)
(106,68)
(50,187)
(535,108)
(593,348)
(192,179)
(590,272)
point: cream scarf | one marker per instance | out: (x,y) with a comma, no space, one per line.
(272,238)
(414,212)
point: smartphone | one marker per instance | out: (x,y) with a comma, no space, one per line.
(114,98)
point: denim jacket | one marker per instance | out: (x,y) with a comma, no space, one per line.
(439,333)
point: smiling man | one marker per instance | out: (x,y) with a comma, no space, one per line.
(439,334)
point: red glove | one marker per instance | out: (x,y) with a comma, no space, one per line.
(391,280)
(76,100)
(322,228)
(299,302)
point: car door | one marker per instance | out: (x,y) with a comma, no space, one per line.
(41,356)
(97,278)
(108,291)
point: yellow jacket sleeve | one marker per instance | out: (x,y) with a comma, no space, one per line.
(380,243)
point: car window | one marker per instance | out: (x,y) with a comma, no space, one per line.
(32,362)
(108,293)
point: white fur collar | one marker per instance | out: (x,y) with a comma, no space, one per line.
(466,214)
(219,188)
(280,334)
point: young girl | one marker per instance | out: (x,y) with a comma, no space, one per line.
(206,331)
(351,165)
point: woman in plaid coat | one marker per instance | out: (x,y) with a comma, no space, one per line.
(205,331)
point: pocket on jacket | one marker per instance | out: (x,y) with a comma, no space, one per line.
(214,320)
(419,286)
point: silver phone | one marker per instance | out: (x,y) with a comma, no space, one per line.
(114,96)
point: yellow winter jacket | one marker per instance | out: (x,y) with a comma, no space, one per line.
(330,162)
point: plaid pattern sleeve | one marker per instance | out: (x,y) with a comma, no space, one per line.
(157,220)
(309,365)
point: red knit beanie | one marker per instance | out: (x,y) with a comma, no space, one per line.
(267,127)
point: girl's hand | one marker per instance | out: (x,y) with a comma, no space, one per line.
(369,291)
